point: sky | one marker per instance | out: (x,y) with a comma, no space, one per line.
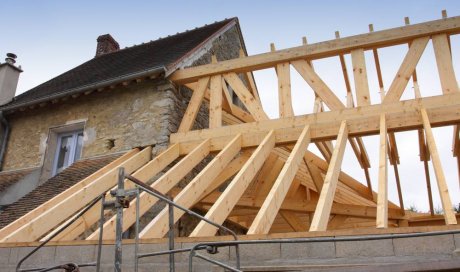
(51,37)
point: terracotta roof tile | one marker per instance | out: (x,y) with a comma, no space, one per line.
(159,53)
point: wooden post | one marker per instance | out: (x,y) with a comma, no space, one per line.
(323,208)
(382,198)
(449,214)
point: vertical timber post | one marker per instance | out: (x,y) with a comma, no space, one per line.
(171,237)
(119,220)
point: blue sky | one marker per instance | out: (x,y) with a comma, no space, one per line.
(51,37)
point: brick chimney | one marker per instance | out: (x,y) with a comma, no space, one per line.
(106,44)
(9,76)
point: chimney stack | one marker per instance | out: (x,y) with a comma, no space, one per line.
(106,44)
(9,76)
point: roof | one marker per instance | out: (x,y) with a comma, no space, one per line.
(161,54)
(52,187)
(11,177)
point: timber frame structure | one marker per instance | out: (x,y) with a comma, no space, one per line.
(261,175)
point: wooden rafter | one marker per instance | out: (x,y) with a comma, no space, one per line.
(323,209)
(272,203)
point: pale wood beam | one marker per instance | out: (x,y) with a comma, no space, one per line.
(382,197)
(93,214)
(323,208)
(163,185)
(401,116)
(302,206)
(360,75)
(253,105)
(284,90)
(336,221)
(406,70)
(194,105)
(449,214)
(224,205)
(317,84)
(272,203)
(62,196)
(215,102)
(377,39)
(293,220)
(350,103)
(444,62)
(46,221)
(158,227)
(250,79)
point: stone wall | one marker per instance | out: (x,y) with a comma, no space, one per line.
(136,115)
(395,254)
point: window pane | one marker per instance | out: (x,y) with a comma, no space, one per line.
(78,146)
(64,153)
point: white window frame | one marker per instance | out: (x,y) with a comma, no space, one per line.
(73,148)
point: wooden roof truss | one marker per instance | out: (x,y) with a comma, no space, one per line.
(259,172)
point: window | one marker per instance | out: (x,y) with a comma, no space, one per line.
(68,150)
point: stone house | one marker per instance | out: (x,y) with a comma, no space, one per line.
(72,125)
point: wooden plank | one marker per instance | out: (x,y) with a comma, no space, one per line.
(406,70)
(284,90)
(317,84)
(449,214)
(55,215)
(163,185)
(158,227)
(194,105)
(215,103)
(360,75)
(395,36)
(92,216)
(253,106)
(62,196)
(250,79)
(293,220)
(323,209)
(401,116)
(444,62)
(272,203)
(382,198)
(302,206)
(224,205)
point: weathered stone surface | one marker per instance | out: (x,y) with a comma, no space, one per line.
(442,244)
(252,254)
(308,250)
(373,248)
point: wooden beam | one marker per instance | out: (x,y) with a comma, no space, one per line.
(323,209)
(382,198)
(272,203)
(406,70)
(401,116)
(360,75)
(317,84)
(163,185)
(444,62)
(284,90)
(449,214)
(92,216)
(377,39)
(253,106)
(224,205)
(62,196)
(215,103)
(194,105)
(302,206)
(55,215)
(293,220)
(158,227)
